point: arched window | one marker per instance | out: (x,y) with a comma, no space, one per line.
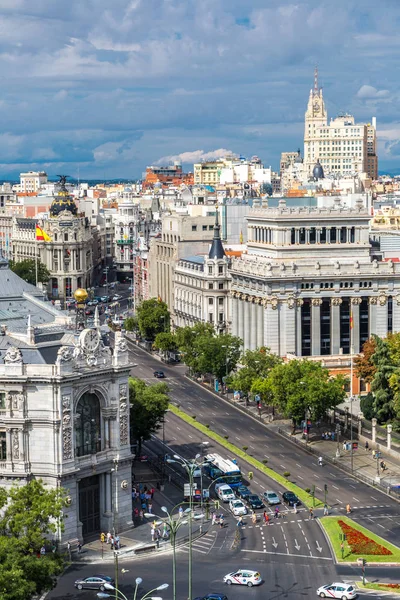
(87,431)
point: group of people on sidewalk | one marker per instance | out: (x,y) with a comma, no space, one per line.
(114,541)
(142,497)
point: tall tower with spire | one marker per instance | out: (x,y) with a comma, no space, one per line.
(315,118)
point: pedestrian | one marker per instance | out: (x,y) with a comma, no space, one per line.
(311,514)
(240,521)
(152,493)
(265,517)
(150,507)
(348,509)
(165,532)
(214,518)
(326,509)
(112,542)
(153,532)
(108,537)
(295,508)
(221,521)
(276,513)
(180,512)
(320,461)
(117,542)
(136,512)
(102,537)
(79,547)
(253,517)
(141,515)
(69,548)
(366,446)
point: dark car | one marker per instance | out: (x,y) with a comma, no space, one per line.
(290,498)
(212,597)
(254,501)
(159,374)
(243,492)
(94,583)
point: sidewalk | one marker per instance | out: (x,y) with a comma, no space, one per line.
(138,540)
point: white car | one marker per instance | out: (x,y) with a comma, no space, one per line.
(238,508)
(224,492)
(243,577)
(340,590)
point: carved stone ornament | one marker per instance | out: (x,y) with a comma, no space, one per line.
(91,360)
(317,266)
(15,444)
(120,345)
(398,299)
(337,265)
(283,266)
(291,302)
(382,299)
(64,354)
(13,356)
(66,427)
(299,301)
(356,265)
(355,300)
(244,297)
(124,484)
(123,429)
(316,301)
(336,301)
(123,390)
(274,303)
(372,300)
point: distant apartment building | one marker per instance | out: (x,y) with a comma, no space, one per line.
(342,146)
(166,175)
(207,172)
(32,181)
(126,224)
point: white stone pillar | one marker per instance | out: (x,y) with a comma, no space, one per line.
(355,312)
(290,322)
(374,423)
(260,323)
(335,325)
(254,325)
(298,304)
(241,304)
(389,436)
(246,325)
(271,325)
(381,316)
(316,326)
(235,314)
(372,300)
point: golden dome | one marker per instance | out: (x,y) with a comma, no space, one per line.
(80,295)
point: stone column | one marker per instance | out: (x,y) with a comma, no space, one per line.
(396,313)
(297,236)
(372,300)
(254,325)
(106,433)
(328,235)
(335,325)
(318,235)
(389,436)
(108,493)
(381,316)
(271,324)
(240,314)
(290,326)
(316,326)
(355,311)
(374,422)
(307,235)
(235,314)
(360,417)
(246,324)
(298,304)
(260,323)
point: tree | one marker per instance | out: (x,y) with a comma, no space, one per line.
(364,367)
(148,405)
(166,342)
(26,269)
(256,364)
(301,387)
(380,385)
(131,324)
(153,318)
(186,338)
(367,406)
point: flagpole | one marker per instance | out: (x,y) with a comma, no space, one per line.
(36,257)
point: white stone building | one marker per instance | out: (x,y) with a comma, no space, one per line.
(32,181)
(126,226)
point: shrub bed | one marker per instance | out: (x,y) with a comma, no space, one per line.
(360,543)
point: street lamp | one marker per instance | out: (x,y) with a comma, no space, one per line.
(138,581)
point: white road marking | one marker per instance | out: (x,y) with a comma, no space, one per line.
(337,500)
(335,487)
(285,554)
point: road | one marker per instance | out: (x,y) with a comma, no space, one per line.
(372,508)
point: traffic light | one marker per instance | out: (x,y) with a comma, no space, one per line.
(216,504)
(326,487)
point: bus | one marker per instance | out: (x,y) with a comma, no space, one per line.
(225,470)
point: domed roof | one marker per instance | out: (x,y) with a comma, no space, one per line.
(63,201)
(318,171)
(298,158)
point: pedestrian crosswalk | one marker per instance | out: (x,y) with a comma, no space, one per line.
(202,545)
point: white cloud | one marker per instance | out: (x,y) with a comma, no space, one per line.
(368,92)
(195,156)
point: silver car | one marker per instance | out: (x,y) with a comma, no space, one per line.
(271,498)
(94,583)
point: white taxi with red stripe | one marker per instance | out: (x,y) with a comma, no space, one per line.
(243,577)
(343,591)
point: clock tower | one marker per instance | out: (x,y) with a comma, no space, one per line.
(315,118)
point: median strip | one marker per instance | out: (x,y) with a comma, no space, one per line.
(305,497)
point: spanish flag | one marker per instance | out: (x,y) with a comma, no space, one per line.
(41,236)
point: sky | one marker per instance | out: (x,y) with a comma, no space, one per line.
(101,89)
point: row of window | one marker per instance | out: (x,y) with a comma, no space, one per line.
(203,227)
(330,285)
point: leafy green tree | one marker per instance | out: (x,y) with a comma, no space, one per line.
(165,342)
(256,364)
(131,324)
(217,354)
(148,405)
(380,385)
(153,318)
(26,269)
(303,386)
(186,339)
(367,406)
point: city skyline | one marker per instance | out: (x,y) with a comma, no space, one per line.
(100,92)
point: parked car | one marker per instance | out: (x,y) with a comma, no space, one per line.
(105,299)
(255,501)
(116,297)
(159,374)
(243,577)
(94,583)
(243,492)
(290,498)
(271,497)
(344,591)
(237,507)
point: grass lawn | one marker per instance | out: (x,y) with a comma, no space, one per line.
(333,530)
(305,497)
(377,586)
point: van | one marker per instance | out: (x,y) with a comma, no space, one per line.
(224,492)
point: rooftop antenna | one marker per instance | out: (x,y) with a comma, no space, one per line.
(316,88)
